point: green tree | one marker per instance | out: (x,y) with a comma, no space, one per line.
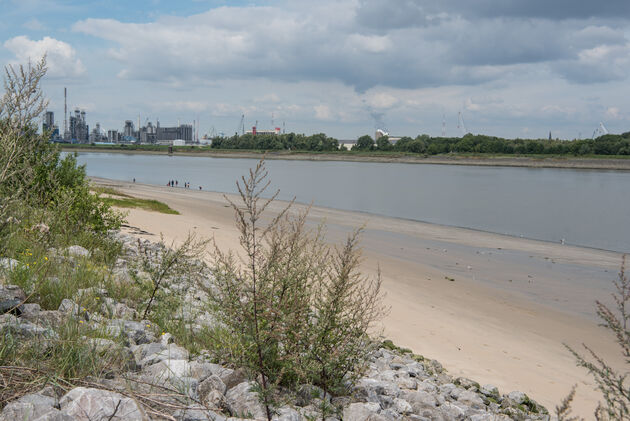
(364,143)
(383,144)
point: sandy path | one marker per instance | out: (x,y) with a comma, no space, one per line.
(504,318)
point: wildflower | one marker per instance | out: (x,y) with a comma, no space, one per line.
(45,258)
(80,321)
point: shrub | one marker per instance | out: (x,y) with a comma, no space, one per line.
(292,309)
(611,382)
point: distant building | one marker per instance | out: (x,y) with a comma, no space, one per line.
(79,130)
(48,126)
(98,135)
(183,132)
(255,131)
(128,131)
(113,136)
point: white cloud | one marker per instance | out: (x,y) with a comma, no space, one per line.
(614,113)
(322,112)
(60,56)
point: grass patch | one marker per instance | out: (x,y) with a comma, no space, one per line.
(134,202)
(109,191)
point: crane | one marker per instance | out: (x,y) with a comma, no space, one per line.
(241,125)
(600,130)
(461,124)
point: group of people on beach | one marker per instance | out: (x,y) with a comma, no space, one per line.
(175,183)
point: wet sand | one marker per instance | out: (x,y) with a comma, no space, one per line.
(493,308)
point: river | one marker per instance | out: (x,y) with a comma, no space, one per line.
(587,208)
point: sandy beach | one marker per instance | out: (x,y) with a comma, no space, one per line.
(493,308)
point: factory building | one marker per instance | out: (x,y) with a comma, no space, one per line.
(79,129)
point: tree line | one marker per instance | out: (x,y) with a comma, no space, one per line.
(609,144)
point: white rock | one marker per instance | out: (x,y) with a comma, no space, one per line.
(245,403)
(361,412)
(77,251)
(87,404)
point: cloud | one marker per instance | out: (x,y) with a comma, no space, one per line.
(60,56)
(614,113)
(322,112)
(368,43)
(34,25)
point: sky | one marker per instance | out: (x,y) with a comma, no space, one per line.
(510,68)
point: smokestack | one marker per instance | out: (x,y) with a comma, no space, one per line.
(65,112)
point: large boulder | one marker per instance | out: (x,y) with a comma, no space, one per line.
(88,404)
(33,407)
(363,412)
(243,402)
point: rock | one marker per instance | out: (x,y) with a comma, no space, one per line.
(11,306)
(11,299)
(372,390)
(231,377)
(88,404)
(77,251)
(471,399)
(307,392)
(166,353)
(517,397)
(213,382)
(47,318)
(362,412)
(168,369)
(138,333)
(202,370)
(402,406)
(214,399)
(242,402)
(287,414)
(24,328)
(8,264)
(420,400)
(29,407)
(467,383)
(490,391)
(11,292)
(197,413)
(71,308)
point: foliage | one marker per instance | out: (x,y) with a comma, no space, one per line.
(611,382)
(170,262)
(293,309)
(364,143)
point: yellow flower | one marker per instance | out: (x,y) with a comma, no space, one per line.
(80,321)
(98,298)
(45,258)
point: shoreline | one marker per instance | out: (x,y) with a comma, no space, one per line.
(494,308)
(590,163)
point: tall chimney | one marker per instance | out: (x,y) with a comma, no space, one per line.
(65,112)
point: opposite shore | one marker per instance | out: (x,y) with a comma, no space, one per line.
(494,308)
(590,163)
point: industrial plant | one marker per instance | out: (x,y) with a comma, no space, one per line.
(76,130)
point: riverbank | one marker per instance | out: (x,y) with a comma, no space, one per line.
(599,163)
(494,308)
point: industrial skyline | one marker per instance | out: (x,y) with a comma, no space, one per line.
(76,129)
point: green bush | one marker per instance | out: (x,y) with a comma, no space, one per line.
(296,311)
